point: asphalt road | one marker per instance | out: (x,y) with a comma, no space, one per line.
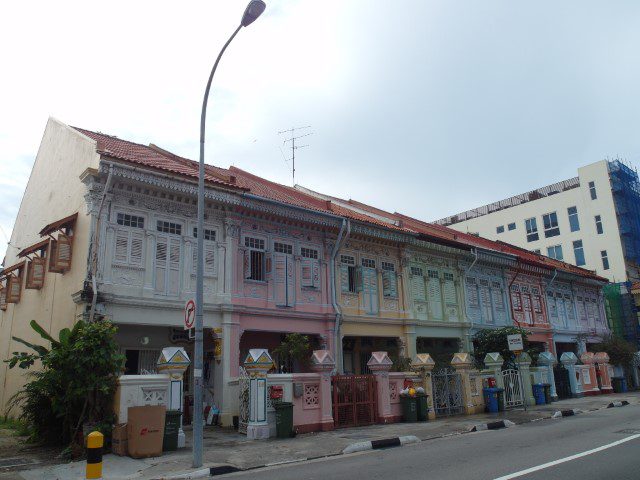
(548,449)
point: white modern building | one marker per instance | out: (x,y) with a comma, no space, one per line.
(592,220)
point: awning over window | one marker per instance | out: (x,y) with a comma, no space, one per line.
(59,225)
(34,248)
(12,268)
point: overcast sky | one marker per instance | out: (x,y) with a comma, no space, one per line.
(423,107)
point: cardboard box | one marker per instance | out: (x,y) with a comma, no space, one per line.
(145,431)
(119,442)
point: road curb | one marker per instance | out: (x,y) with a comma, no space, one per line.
(492,425)
(206,472)
(623,403)
(566,413)
(384,443)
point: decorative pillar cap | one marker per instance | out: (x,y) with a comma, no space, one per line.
(524,359)
(173,358)
(258,359)
(423,361)
(547,358)
(568,358)
(461,360)
(601,357)
(587,358)
(493,358)
(322,360)
(379,362)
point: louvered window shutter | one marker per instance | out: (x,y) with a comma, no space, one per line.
(307,272)
(63,262)
(417,287)
(359,279)
(161,264)
(137,245)
(344,278)
(3,298)
(35,273)
(174,267)
(435,297)
(122,247)
(53,256)
(14,288)
(389,284)
(280,279)
(315,273)
(209,259)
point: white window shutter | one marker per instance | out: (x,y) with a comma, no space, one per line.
(291,281)
(417,288)
(209,259)
(122,247)
(434,291)
(137,247)
(174,267)
(161,264)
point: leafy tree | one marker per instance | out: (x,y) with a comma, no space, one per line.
(294,347)
(495,340)
(619,350)
(75,384)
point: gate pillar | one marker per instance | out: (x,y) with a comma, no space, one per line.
(423,364)
(524,366)
(493,361)
(462,363)
(174,361)
(257,364)
(380,364)
(588,360)
(602,365)
(569,360)
(323,363)
(547,360)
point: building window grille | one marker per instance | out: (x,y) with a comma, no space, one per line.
(574,223)
(368,263)
(309,253)
(532,229)
(550,221)
(592,190)
(605,260)
(209,235)
(256,243)
(578,251)
(255,264)
(283,248)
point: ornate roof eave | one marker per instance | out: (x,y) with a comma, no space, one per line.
(496,259)
(416,243)
(230,198)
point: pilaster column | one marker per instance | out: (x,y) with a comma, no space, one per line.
(423,364)
(524,366)
(380,364)
(323,363)
(547,360)
(150,255)
(569,360)
(257,364)
(107,267)
(174,361)
(462,363)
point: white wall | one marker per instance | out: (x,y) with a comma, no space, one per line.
(587,210)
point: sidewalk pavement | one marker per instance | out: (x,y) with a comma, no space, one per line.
(226,447)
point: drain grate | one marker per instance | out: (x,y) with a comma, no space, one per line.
(16,462)
(630,431)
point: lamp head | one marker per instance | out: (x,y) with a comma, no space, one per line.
(252,12)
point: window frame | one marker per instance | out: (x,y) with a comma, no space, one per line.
(574,221)
(123,214)
(555,252)
(170,225)
(531,229)
(593,191)
(500,229)
(575,255)
(256,247)
(599,227)
(605,260)
(511,226)
(552,231)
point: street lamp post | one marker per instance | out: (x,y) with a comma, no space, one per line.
(252,12)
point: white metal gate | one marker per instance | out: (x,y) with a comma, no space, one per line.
(512,391)
(243,403)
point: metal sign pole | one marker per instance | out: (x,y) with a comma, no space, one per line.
(524,397)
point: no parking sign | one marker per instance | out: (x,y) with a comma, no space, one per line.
(189,314)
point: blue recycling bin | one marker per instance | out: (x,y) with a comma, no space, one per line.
(623,385)
(538,393)
(491,399)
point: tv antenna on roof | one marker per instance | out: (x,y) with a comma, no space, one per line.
(292,138)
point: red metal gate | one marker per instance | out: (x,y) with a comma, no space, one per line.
(354,400)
